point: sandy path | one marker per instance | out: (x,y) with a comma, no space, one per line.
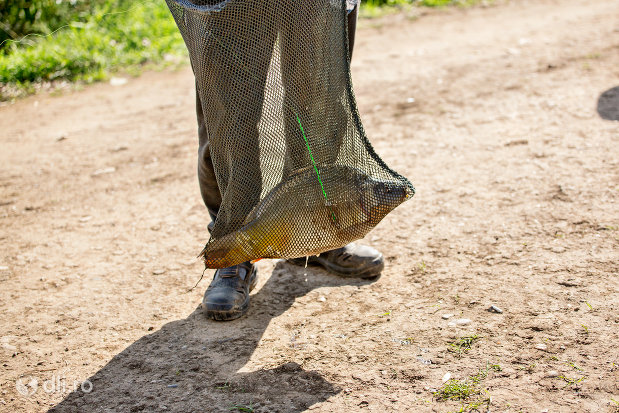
(517,177)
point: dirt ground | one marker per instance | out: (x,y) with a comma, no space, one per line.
(501,116)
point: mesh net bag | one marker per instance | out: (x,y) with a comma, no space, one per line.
(296,171)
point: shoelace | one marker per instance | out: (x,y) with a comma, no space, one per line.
(232,272)
(226,277)
(228,272)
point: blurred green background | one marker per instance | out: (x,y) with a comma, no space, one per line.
(86,40)
(82,39)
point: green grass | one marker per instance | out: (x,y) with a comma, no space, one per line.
(495,367)
(463,344)
(120,35)
(457,390)
(571,381)
(468,390)
(242,408)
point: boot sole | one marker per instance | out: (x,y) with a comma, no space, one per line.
(373,272)
(227,314)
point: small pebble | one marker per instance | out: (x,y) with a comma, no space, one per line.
(172,386)
(446,377)
(495,309)
(158,271)
(447,316)
(552,373)
(321,298)
(541,346)
(463,321)
(424,361)
(3,268)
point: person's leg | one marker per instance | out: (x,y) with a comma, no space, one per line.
(206,172)
(230,97)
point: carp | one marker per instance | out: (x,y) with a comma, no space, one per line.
(314,209)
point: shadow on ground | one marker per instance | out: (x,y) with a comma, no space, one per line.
(608,104)
(193,364)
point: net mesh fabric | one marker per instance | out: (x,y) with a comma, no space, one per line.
(296,171)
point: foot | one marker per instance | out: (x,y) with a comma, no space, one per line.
(227,297)
(352,260)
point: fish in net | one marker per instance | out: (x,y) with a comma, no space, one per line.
(296,171)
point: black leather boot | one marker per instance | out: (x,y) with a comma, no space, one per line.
(227,297)
(352,260)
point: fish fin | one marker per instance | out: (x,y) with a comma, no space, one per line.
(202,253)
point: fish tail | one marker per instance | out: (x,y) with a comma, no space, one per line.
(224,252)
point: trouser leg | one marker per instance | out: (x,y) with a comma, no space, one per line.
(228,105)
(206,172)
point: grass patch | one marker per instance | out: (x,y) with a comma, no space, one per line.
(457,390)
(223,386)
(468,390)
(585,328)
(118,35)
(569,382)
(474,406)
(463,344)
(495,367)
(574,366)
(242,407)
